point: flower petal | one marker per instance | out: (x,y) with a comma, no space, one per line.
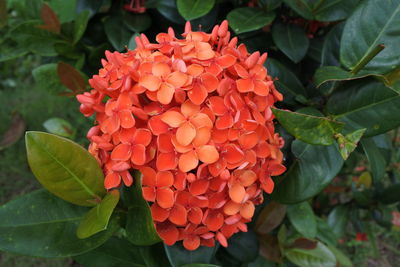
(164,143)
(178,215)
(247,210)
(148,176)
(157,126)
(198,94)
(150,82)
(121,152)
(199,187)
(165,197)
(203,135)
(165,94)
(177,79)
(138,154)
(185,133)
(164,179)
(245,85)
(112,180)
(237,193)
(188,161)
(173,118)
(248,140)
(142,136)
(166,161)
(159,214)
(231,208)
(210,82)
(208,154)
(188,109)
(195,215)
(191,242)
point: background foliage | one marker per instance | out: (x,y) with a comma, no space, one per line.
(337,204)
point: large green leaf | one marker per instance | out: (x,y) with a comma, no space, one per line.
(321,256)
(337,220)
(116,32)
(65,168)
(302,217)
(243,246)
(193,9)
(168,9)
(361,36)
(60,127)
(46,77)
(288,83)
(115,252)
(311,129)
(270,217)
(347,143)
(323,10)
(64,9)
(40,224)
(390,194)
(330,55)
(136,22)
(375,158)
(313,169)
(291,40)
(341,258)
(80,24)
(246,19)
(178,255)
(366,104)
(140,228)
(96,220)
(325,233)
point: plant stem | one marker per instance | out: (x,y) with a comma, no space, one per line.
(366,59)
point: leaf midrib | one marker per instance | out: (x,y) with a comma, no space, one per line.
(46,222)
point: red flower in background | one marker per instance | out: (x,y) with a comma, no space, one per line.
(194,116)
(361,237)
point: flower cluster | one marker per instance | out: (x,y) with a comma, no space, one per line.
(193,115)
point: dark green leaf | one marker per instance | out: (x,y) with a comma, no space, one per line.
(3,13)
(302,218)
(140,228)
(337,220)
(115,252)
(178,255)
(65,168)
(46,77)
(313,169)
(132,42)
(303,7)
(320,256)
(349,142)
(270,217)
(96,220)
(330,55)
(260,262)
(247,19)
(325,233)
(390,194)
(243,246)
(199,265)
(341,258)
(311,129)
(375,158)
(40,224)
(116,32)
(60,127)
(288,83)
(270,4)
(64,9)
(381,27)
(366,104)
(291,40)
(93,6)
(136,22)
(80,24)
(14,131)
(168,9)
(193,9)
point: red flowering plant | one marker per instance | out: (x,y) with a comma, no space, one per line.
(211,133)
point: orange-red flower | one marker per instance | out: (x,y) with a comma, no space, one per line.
(193,115)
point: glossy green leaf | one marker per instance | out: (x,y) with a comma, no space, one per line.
(65,168)
(193,9)
(348,142)
(140,228)
(314,168)
(311,129)
(116,252)
(199,265)
(287,82)
(168,9)
(243,246)
(270,217)
(59,127)
(40,224)
(132,42)
(291,40)
(179,256)
(47,78)
(80,24)
(96,220)
(366,104)
(247,19)
(382,27)
(320,256)
(390,194)
(136,22)
(341,258)
(270,4)
(323,10)
(337,220)
(302,218)
(93,6)
(330,54)
(375,158)
(116,32)
(325,233)
(260,262)
(64,9)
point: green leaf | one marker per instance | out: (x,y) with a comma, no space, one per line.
(132,42)
(178,255)
(116,32)
(193,9)
(382,27)
(243,246)
(291,40)
(330,55)
(375,158)
(288,83)
(270,217)
(302,218)
(366,104)
(302,7)
(136,22)
(349,142)
(333,73)
(60,127)
(93,6)
(46,77)
(247,19)
(3,13)
(96,220)
(341,258)
(324,233)
(390,194)
(311,129)
(337,220)
(168,9)
(199,265)
(80,25)
(313,169)
(115,252)
(140,228)
(42,225)
(320,256)
(65,168)
(64,9)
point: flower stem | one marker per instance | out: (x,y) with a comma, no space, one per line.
(367,58)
